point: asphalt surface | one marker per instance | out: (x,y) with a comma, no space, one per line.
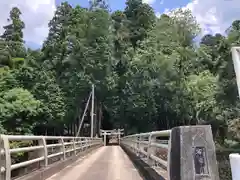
(107,163)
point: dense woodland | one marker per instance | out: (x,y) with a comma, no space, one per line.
(150,73)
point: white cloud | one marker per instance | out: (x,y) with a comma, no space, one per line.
(158,14)
(36,15)
(148,1)
(214,16)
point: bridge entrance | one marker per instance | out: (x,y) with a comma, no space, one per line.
(111,136)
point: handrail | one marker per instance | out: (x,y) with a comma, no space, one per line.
(195,141)
(189,152)
(64,146)
(146,144)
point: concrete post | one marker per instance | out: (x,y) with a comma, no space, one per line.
(192,154)
(235,165)
(43,152)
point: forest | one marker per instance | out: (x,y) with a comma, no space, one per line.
(150,73)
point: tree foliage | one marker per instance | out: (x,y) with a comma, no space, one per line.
(148,72)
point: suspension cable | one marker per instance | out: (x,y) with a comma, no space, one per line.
(84,113)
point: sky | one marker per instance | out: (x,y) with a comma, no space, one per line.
(214,16)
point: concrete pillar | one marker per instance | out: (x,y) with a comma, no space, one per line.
(235,166)
(192,154)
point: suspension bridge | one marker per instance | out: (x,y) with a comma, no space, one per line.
(188,154)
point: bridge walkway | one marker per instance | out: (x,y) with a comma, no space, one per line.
(106,163)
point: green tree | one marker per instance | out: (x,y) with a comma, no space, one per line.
(13,35)
(18,108)
(141,19)
(55,47)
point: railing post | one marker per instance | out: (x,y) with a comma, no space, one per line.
(62,149)
(43,152)
(87,143)
(104,138)
(5,160)
(150,150)
(83,143)
(135,144)
(74,146)
(139,145)
(119,136)
(91,142)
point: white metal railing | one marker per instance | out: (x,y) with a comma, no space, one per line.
(146,144)
(62,147)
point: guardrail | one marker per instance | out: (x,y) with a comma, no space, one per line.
(145,145)
(189,152)
(44,147)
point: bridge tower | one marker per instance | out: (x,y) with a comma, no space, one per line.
(95,122)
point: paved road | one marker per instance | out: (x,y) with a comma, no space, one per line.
(107,163)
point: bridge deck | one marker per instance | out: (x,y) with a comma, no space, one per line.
(106,163)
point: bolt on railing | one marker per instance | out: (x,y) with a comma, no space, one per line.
(76,144)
